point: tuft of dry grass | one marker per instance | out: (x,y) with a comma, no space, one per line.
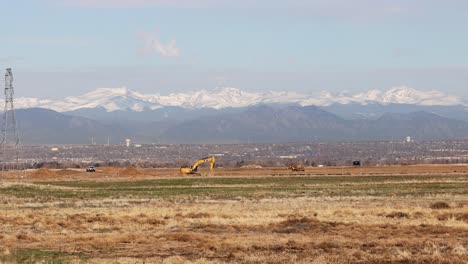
(296,225)
(397,215)
(456,216)
(440,205)
(197,215)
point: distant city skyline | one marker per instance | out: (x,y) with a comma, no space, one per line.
(60,48)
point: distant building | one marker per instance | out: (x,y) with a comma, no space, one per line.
(288,157)
(408,139)
(127,142)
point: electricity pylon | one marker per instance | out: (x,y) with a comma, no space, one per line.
(10,135)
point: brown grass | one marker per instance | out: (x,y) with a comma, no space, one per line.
(440,205)
(397,215)
(267,231)
(292,229)
(457,216)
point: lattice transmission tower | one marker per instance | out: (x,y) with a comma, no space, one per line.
(10,144)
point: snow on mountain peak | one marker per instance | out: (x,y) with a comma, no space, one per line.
(122,98)
(406,95)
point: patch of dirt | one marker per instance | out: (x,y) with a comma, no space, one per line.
(43,174)
(130,171)
(253,166)
(110,170)
(67,172)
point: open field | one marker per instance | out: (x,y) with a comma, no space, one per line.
(407,214)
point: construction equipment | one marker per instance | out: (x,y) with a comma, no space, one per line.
(193,169)
(296,167)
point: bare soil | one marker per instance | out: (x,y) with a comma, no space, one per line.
(119,173)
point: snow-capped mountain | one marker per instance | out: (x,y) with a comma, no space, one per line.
(404,95)
(113,99)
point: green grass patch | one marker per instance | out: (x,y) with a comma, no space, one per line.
(43,256)
(258,187)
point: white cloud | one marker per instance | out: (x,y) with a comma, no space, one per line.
(152,43)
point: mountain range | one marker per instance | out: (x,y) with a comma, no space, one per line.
(229,115)
(115,99)
(254,124)
(309,123)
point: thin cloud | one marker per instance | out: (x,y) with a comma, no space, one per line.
(153,44)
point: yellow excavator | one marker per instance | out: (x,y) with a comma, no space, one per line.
(296,167)
(193,169)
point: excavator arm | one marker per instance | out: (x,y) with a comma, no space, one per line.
(201,161)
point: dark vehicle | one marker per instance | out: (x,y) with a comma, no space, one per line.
(90,169)
(357,163)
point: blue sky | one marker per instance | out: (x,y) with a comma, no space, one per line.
(67,47)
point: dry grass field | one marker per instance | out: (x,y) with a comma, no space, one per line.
(407,214)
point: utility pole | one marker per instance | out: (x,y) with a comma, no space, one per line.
(10,134)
